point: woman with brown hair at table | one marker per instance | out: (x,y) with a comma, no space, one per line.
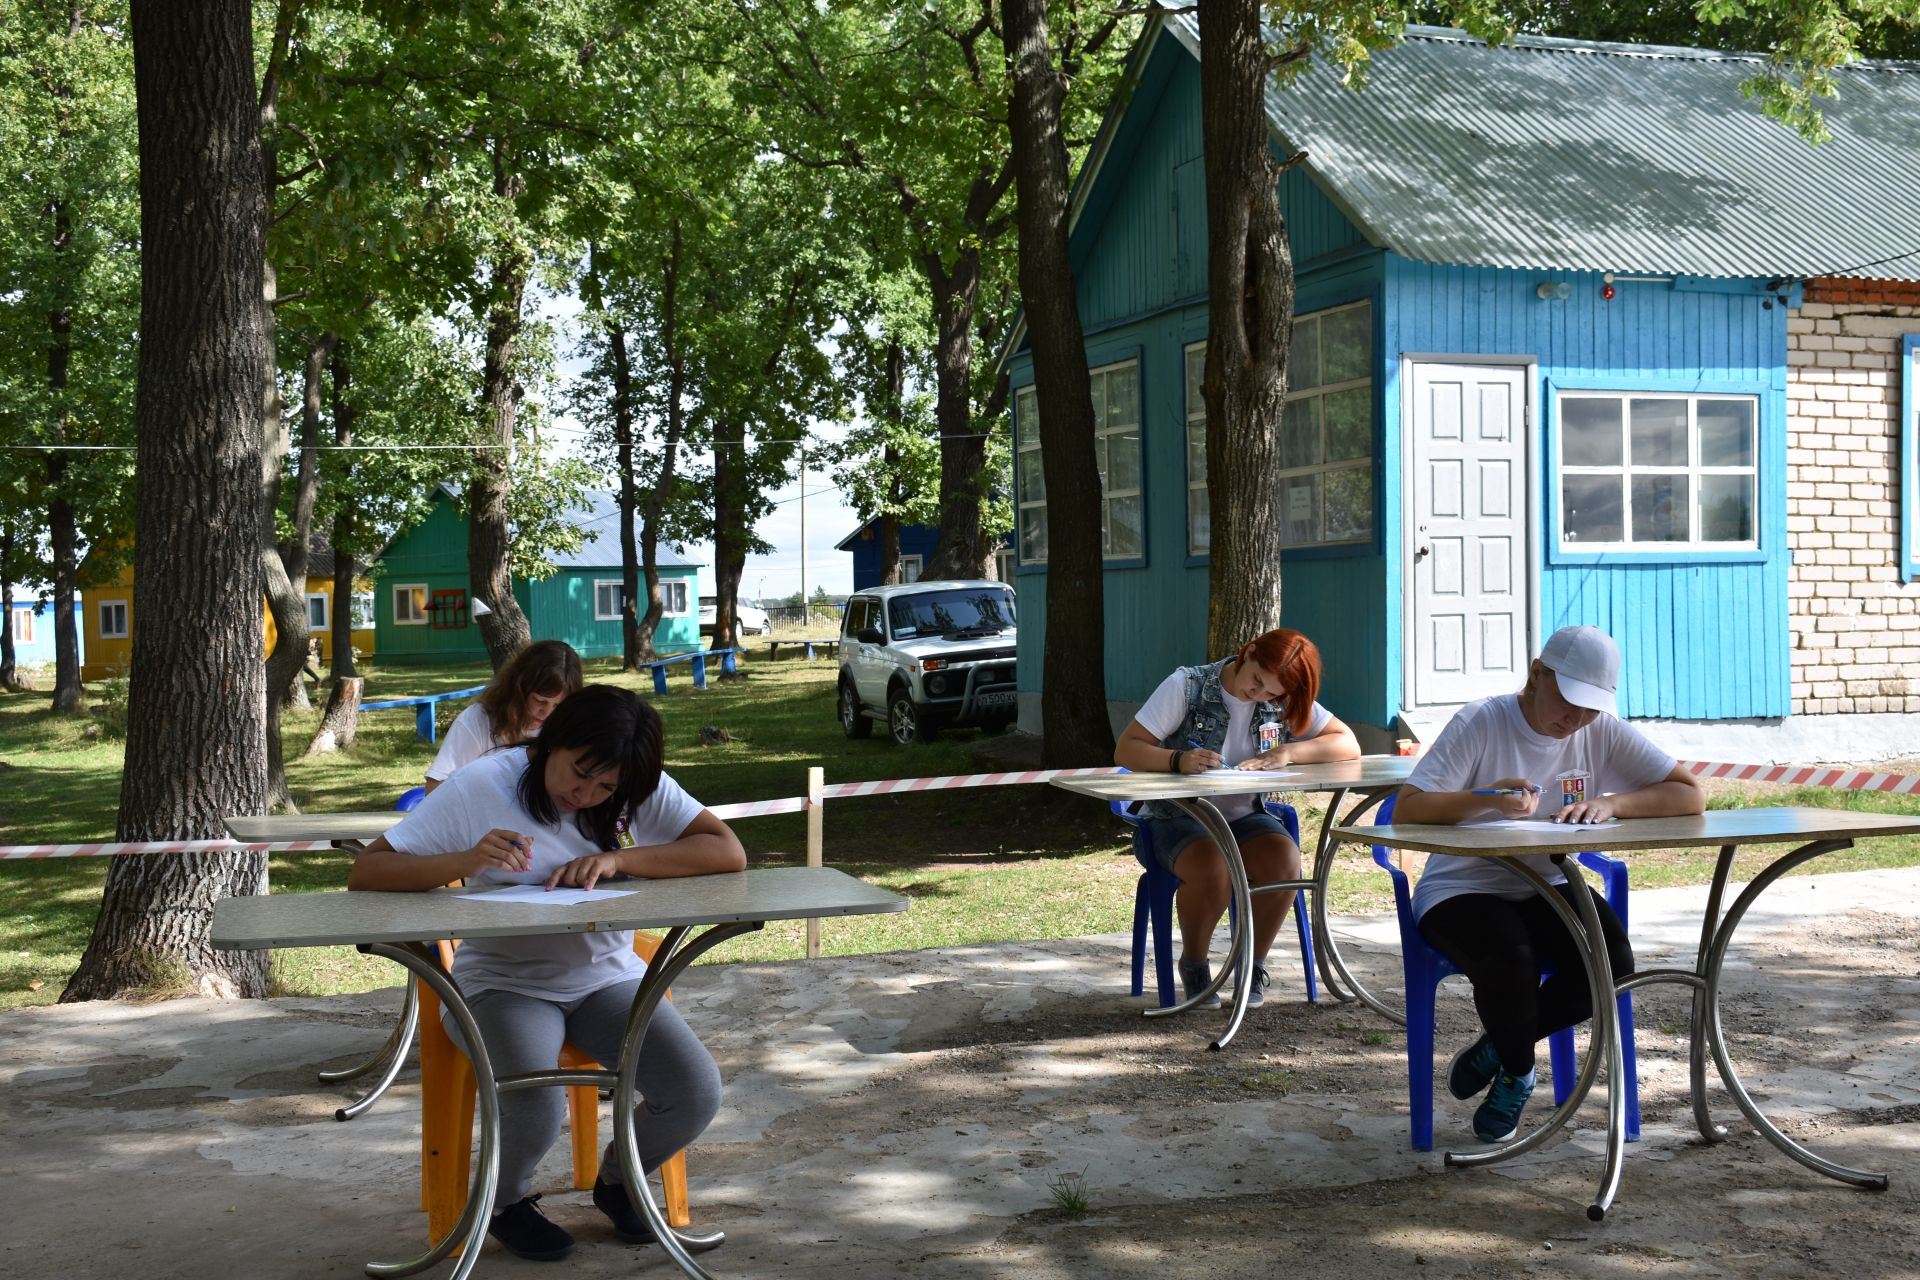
(1255,709)
(511,709)
(584,802)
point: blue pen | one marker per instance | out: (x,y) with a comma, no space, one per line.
(1506,791)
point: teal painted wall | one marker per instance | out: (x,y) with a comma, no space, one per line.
(1141,246)
(1701,637)
(562,609)
(558,607)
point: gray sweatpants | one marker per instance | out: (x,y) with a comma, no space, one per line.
(678,1081)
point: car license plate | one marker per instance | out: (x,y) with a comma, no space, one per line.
(994,699)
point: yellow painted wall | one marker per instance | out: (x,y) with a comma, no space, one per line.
(111,657)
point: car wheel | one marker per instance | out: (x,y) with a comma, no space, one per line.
(853,721)
(905,722)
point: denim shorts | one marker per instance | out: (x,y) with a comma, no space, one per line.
(1171,836)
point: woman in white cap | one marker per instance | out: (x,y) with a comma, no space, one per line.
(1556,750)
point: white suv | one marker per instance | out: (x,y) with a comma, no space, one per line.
(926,656)
(749,619)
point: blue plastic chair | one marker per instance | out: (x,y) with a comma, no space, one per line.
(1153,903)
(410,799)
(1425,968)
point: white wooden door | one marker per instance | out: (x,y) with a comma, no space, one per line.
(1467,536)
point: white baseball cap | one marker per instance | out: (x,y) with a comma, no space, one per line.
(1586,663)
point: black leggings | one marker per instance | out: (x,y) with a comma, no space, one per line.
(1502,944)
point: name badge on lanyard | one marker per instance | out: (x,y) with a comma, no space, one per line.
(621,836)
(1268,736)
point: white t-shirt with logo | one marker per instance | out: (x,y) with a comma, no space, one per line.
(1490,740)
(469,737)
(553,966)
(1163,714)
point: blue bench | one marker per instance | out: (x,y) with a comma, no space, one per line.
(698,657)
(829,647)
(423,708)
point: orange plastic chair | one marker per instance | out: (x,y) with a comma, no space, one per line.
(447,1096)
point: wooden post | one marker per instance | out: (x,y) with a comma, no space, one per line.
(816,783)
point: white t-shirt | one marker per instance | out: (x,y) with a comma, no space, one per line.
(469,737)
(1490,740)
(1163,714)
(554,966)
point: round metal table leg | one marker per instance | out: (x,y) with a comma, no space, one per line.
(1716,1033)
(470,1232)
(1585,928)
(1239,929)
(393,1053)
(1326,948)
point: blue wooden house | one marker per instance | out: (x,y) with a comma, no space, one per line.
(917,542)
(1539,371)
(31,621)
(423,612)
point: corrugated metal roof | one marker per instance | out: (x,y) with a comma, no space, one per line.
(599,520)
(1577,155)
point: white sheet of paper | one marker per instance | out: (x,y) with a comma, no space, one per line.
(1541,824)
(550,897)
(1241,773)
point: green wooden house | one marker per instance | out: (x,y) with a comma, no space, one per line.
(423,611)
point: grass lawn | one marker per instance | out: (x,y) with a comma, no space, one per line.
(979,864)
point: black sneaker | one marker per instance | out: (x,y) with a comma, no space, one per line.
(611,1199)
(1257,990)
(522,1228)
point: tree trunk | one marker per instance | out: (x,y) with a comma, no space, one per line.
(341,623)
(1073,691)
(195,723)
(669,448)
(489,539)
(341,718)
(729,531)
(963,549)
(630,568)
(9,673)
(1250,288)
(62,527)
(895,392)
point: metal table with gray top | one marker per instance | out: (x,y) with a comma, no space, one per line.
(351,832)
(1814,832)
(401,927)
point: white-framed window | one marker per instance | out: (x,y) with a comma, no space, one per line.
(1326,438)
(673,597)
(1642,470)
(410,604)
(607,595)
(1199,514)
(113,619)
(910,567)
(1116,454)
(23,626)
(317,610)
(361,618)
(1003,565)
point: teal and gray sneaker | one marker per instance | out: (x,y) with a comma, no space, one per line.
(1499,1116)
(1474,1068)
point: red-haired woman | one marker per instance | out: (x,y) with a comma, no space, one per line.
(1254,710)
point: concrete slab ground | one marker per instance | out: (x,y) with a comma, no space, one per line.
(911,1115)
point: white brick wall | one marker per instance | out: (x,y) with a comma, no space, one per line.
(1855,626)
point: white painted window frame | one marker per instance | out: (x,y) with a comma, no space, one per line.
(1693,471)
(418,619)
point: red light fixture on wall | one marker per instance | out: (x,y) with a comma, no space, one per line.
(1607,292)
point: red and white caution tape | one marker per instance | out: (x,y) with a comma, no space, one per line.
(1801,775)
(893,786)
(754,808)
(116,849)
(1794,775)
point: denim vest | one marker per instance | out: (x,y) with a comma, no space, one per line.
(1205,727)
